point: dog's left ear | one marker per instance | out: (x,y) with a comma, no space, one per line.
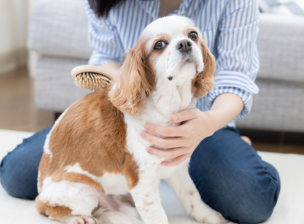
(134,82)
(204,81)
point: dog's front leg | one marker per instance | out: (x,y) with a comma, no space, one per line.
(187,194)
(146,198)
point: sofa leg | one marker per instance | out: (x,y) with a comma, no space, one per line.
(57,115)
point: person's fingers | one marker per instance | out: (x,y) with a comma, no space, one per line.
(171,153)
(175,161)
(184,115)
(163,142)
(246,139)
(164,131)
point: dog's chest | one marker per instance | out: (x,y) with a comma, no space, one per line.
(114,183)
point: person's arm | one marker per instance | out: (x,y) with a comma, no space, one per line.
(225,109)
(237,66)
(103,38)
(113,67)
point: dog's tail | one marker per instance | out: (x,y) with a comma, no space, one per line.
(128,215)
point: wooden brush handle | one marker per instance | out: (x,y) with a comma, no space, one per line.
(90,68)
(91,77)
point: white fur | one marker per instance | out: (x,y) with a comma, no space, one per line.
(112,183)
(168,97)
(47,141)
(46,147)
(130,216)
(80,198)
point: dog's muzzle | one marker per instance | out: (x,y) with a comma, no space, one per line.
(184,46)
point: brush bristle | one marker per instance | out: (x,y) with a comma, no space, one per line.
(92,80)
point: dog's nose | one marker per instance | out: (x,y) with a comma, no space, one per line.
(184,46)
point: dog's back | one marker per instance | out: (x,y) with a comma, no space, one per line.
(87,146)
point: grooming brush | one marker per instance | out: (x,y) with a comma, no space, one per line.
(91,77)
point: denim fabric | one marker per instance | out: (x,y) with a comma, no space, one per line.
(233,179)
(19,168)
(229,174)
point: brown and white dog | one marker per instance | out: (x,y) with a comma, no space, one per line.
(94,154)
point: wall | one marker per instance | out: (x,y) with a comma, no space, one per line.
(13,33)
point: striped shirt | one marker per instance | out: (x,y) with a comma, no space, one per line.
(229,28)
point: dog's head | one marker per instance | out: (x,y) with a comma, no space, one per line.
(170,51)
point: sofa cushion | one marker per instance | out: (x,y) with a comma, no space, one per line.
(55,88)
(281,48)
(278,106)
(59,28)
(283,7)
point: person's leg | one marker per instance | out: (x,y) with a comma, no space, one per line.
(19,168)
(233,179)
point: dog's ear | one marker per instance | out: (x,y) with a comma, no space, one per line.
(133,83)
(204,81)
(91,77)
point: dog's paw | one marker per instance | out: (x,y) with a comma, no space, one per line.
(212,218)
(80,220)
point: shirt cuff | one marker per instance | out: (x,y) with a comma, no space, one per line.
(235,83)
(98,59)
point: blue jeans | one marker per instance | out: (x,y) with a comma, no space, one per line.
(228,173)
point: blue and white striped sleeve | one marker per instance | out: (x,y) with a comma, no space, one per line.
(104,39)
(237,56)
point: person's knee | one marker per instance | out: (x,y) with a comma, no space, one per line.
(7,178)
(18,181)
(17,186)
(241,196)
(249,212)
(19,169)
(245,202)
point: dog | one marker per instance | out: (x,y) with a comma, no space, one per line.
(94,159)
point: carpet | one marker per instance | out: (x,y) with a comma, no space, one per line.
(289,210)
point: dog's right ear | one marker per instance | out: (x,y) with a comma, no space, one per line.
(132,87)
(204,81)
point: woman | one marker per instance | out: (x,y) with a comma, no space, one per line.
(233,179)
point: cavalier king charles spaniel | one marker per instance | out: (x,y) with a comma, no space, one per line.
(95,167)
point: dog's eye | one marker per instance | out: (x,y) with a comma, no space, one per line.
(193,36)
(159,45)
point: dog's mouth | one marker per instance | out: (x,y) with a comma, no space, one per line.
(188,59)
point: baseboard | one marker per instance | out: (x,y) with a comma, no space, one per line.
(12,59)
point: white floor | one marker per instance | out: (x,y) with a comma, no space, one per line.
(290,208)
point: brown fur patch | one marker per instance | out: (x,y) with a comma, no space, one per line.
(56,212)
(204,81)
(189,30)
(164,37)
(92,133)
(136,79)
(76,177)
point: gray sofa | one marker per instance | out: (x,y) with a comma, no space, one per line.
(58,33)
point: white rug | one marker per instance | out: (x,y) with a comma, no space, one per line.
(289,210)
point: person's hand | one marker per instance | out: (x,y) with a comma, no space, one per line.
(180,141)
